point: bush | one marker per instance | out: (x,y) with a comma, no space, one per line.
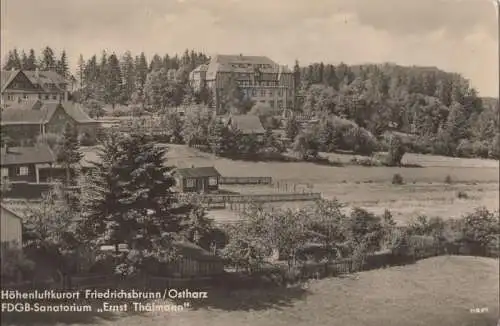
(49,139)
(480,149)
(448,179)
(462,195)
(397,179)
(465,148)
(15,265)
(396,151)
(86,140)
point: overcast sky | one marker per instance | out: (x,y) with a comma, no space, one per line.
(454,35)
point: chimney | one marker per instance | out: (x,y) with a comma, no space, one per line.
(37,73)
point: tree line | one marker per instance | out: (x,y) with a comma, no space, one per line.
(439,111)
(46,61)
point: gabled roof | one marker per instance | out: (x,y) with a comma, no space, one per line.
(27,155)
(246,124)
(45,77)
(40,78)
(206,171)
(6,77)
(240,64)
(33,113)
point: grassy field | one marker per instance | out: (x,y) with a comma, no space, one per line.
(436,291)
(424,191)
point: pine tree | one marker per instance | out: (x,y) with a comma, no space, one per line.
(218,137)
(141,73)
(24,60)
(114,81)
(130,201)
(156,63)
(292,128)
(128,74)
(48,61)
(13,61)
(31,63)
(68,151)
(62,65)
(80,71)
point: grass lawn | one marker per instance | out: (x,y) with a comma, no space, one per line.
(436,291)
(424,191)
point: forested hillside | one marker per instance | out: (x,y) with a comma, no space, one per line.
(440,111)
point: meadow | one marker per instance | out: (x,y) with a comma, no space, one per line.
(424,191)
(435,291)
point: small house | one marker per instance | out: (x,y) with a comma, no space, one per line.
(27,164)
(246,124)
(10,226)
(197,179)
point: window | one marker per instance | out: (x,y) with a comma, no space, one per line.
(39,96)
(25,97)
(54,97)
(212,181)
(5,173)
(254,92)
(263,92)
(271,104)
(280,93)
(271,93)
(46,97)
(280,104)
(10,98)
(190,183)
(22,170)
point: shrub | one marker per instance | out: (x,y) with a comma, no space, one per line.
(396,151)
(86,140)
(494,148)
(15,264)
(49,139)
(397,179)
(448,179)
(480,149)
(465,148)
(462,195)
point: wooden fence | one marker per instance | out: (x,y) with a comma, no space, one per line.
(257,198)
(246,180)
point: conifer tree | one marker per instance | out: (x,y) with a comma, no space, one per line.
(68,151)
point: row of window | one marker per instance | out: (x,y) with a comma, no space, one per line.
(264,93)
(258,83)
(40,97)
(190,183)
(20,171)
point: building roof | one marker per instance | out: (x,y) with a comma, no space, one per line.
(27,155)
(246,124)
(38,112)
(6,76)
(13,212)
(40,78)
(200,172)
(240,64)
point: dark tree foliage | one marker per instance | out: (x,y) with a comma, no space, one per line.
(129,201)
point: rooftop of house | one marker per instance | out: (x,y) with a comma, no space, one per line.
(36,77)
(242,64)
(246,124)
(26,155)
(37,112)
(198,172)
(12,210)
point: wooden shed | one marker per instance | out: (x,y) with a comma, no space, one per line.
(197,179)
